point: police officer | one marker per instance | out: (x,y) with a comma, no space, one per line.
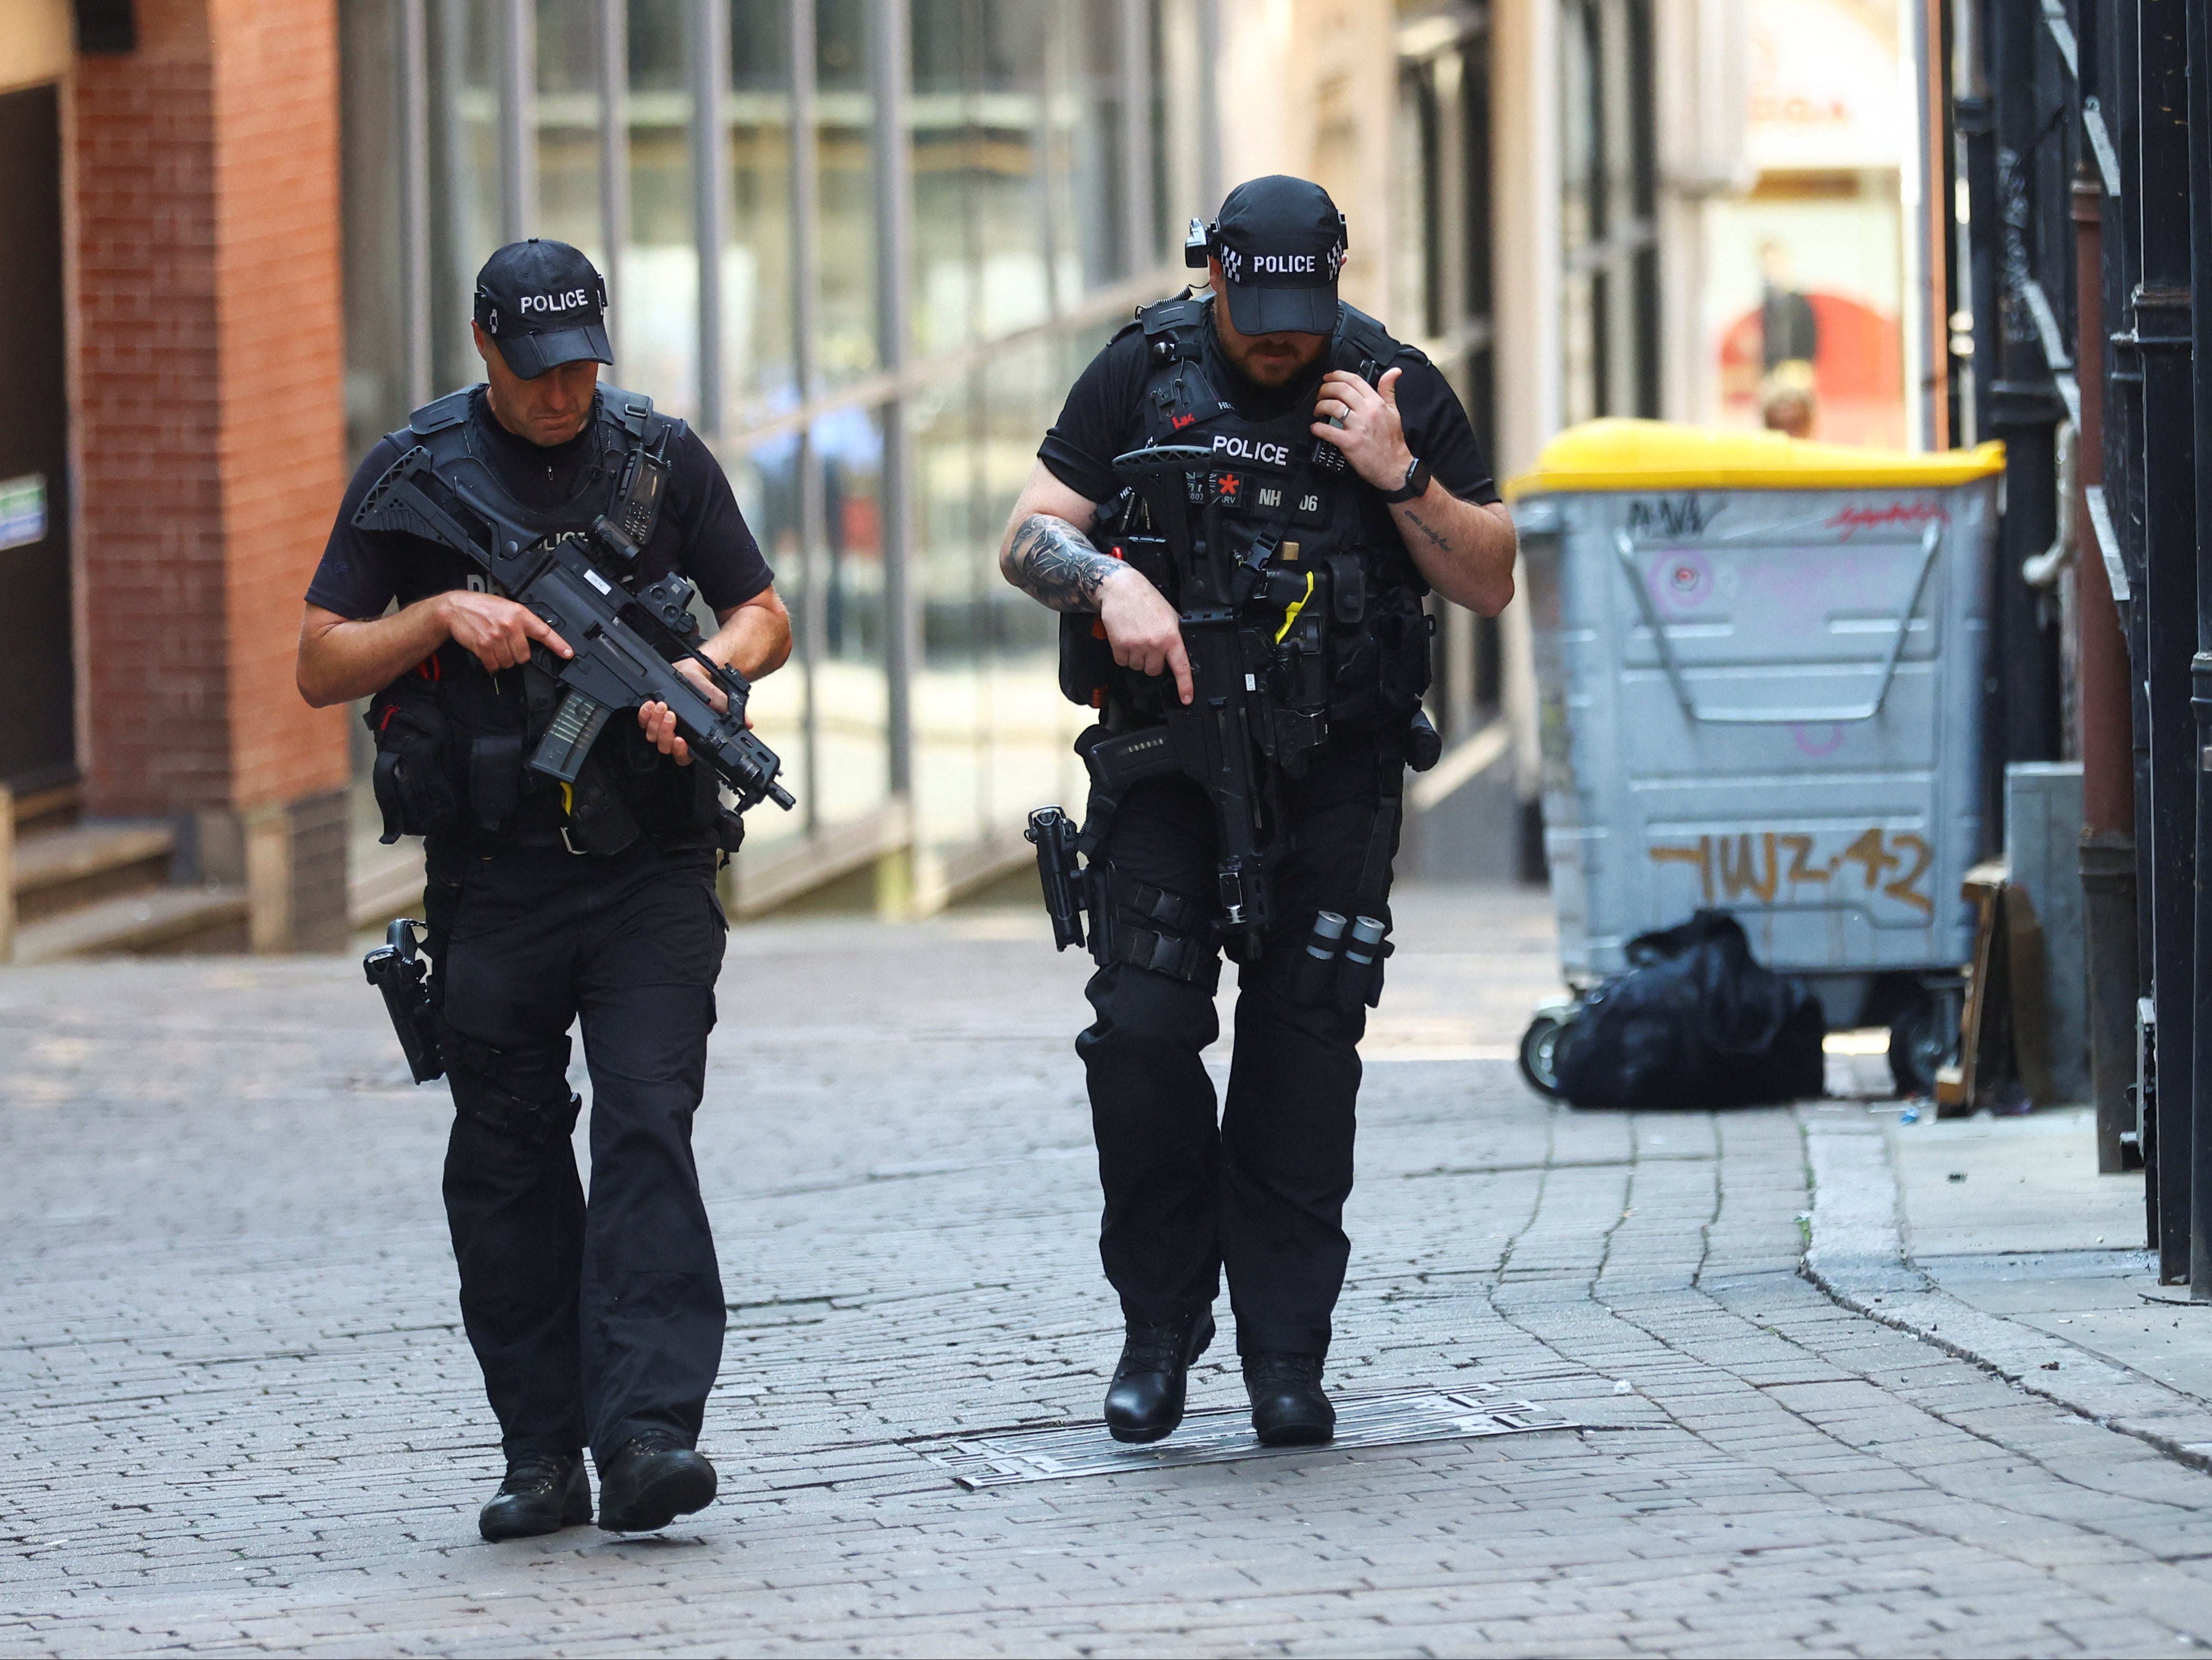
(597,1321)
(1376,479)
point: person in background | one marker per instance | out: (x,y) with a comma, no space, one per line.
(1788,409)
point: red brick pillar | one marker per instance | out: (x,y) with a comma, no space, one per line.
(210,431)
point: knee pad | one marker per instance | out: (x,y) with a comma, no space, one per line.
(521,1093)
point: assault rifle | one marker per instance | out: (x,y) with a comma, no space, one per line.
(1223,736)
(623,642)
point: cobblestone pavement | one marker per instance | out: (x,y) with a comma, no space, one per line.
(236,1412)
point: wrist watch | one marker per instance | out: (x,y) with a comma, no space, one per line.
(1416,483)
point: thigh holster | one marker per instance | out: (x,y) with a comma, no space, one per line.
(1150,928)
(521,1093)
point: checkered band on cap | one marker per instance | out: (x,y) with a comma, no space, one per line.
(1261,265)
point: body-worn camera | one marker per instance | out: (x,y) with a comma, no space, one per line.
(1196,243)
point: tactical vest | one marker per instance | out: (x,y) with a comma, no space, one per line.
(1344,595)
(453,738)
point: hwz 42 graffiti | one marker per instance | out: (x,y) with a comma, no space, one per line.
(1883,870)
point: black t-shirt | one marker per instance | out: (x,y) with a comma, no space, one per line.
(1103,417)
(701,533)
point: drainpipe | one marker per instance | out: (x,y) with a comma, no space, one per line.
(2199,1105)
(2105,729)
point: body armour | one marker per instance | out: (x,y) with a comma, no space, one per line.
(451,736)
(1343,595)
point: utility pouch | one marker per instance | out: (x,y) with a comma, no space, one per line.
(728,830)
(725,830)
(1348,588)
(494,780)
(395,970)
(599,821)
(1425,745)
(412,780)
(1314,980)
(1148,556)
(1359,969)
(1086,661)
(1402,642)
(1298,734)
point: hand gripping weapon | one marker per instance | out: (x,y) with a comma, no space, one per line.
(623,641)
(1223,737)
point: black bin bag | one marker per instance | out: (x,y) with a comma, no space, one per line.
(1693,1022)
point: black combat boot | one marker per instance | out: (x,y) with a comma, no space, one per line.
(1145,1401)
(1289,1408)
(654,1479)
(544,1493)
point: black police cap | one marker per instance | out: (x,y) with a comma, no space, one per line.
(546,304)
(1281,243)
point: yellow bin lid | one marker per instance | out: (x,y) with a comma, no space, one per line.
(1646,455)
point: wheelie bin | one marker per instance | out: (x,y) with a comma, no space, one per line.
(1761,667)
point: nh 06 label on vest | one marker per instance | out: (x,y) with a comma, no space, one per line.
(1241,491)
(1310,506)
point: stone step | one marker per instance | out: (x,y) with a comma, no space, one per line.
(57,808)
(211,919)
(60,871)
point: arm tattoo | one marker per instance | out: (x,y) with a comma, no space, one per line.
(1428,530)
(1056,564)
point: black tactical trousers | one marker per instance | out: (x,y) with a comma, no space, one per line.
(1261,1192)
(592,1318)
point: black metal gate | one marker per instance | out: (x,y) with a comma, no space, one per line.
(2074,120)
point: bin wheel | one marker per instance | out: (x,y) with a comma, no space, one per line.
(1920,1041)
(1539,1048)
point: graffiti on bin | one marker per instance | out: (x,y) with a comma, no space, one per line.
(1795,867)
(1679,515)
(1852,519)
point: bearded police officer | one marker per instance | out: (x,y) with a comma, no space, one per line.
(1339,477)
(597,1321)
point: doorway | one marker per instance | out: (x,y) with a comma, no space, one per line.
(38,679)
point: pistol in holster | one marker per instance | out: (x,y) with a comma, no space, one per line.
(396,969)
(1053,833)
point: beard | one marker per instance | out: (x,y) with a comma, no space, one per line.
(1273,364)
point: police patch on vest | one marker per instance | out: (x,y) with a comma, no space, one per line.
(1267,452)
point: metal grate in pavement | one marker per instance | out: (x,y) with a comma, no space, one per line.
(1223,1435)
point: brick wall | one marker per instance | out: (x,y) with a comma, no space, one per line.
(208,401)
(283,364)
(148,401)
